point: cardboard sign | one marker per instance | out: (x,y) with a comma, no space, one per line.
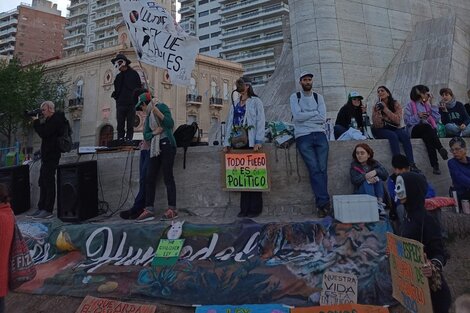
(245,170)
(245,308)
(410,286)
(343,308)
(338,288)
(168,252)
(91,305)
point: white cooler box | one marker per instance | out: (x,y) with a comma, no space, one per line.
(356,208)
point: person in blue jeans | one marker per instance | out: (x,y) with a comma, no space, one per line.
(309,117)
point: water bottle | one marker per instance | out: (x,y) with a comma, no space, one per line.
(353,123)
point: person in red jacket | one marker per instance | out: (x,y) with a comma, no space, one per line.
(7,223)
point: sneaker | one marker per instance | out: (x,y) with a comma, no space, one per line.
(169,215)
(145,216)
(43,215)
(321,213)
(324,210)
(436,170)
(34,214)
(443,153)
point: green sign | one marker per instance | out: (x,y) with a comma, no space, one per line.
(168,252)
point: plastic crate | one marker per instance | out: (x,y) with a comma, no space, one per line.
(356,208)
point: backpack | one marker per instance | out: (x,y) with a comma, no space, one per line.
(299,95)
(64,141)
(184,135)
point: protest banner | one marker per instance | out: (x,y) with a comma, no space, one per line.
(410,286)
(92,305)
(338,288)
(342,308)
(245,170)
(158,40)
(168,252)
(245,308)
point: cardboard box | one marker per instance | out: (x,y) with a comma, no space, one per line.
(356,208)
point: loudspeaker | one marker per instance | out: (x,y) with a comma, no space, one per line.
(77,191)
(17,180)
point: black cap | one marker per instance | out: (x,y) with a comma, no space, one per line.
(121,56)
(247,80)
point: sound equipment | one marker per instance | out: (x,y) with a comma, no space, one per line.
(77,191)
(16,178)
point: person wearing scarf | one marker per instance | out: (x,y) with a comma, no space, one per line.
(453,115)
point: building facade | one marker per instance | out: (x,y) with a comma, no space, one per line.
(92,24)
(32,33)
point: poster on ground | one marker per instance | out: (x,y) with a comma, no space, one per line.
(410,286)
(338,288)
(245,170)
(93,305)
(245,308)
(342,308)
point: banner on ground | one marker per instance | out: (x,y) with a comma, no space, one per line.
(338,288)
(245,170)
(245,308)
(410,286)
(93,305)
(158,40)
(343,308)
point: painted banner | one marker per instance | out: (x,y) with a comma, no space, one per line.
(338,288)
(159,40)
(94,305)
(343,308)
(245,170)
(246,308)
(410,286)
(237,263)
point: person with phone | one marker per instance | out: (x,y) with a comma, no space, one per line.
(453,114)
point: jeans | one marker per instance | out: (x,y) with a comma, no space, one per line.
(374,190)
(314,151)
(431,141)
(394,137)
(47,184)
(453,130)
(339,130)
(165,161)
(125,115)
(139,201)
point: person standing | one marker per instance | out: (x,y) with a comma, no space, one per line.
(248,114)
(453,115)
(309,117)
(125,83)
(49,127)
(7,224)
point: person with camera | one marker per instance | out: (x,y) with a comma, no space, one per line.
(453,115)
(353,109)
(421,118)
(49,125)
(386,117)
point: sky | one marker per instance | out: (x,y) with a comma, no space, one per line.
(7,5)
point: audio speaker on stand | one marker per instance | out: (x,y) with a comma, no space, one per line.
(16,178)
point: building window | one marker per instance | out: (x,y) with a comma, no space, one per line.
(201,2)
(204,25)
(215,47)
(215,10)
(205,49)
(225,86)
(204,37)
(204,13)
(214,91)
(191,119)
(215,22)
(216,34)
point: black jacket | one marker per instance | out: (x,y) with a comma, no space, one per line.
(125,84)
(49,130)
(346,113)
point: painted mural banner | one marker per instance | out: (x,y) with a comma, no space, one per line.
(342,308)
(238,263)
(410,286)
(338,288)
(246,308)
(158,40)
(245,170)
(94,305)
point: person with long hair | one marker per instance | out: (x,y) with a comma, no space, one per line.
(386,117)
(7,224)
(247,113)
(421,118)
(354,108)
(367,174)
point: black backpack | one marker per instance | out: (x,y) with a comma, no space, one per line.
(184,135)
(64,141)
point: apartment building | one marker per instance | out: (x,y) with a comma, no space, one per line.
(92,24)
(32,33)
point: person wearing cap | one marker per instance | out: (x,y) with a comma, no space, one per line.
(309,117)
(125,83)
(158,130)
(354,108)
(386,118)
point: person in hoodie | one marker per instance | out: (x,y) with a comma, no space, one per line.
(418,225)
(354,108)
(453,115)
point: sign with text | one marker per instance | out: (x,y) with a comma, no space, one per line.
(338,288)
(168,252)
(159,40)
(343,308)
(245,170)
(245,308)
(410,286)
(92,305)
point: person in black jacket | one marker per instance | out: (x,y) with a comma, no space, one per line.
(49,127)
(353,108)
(125,83)
(418,225)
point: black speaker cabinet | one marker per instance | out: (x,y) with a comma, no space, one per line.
(77,191)
(17,180)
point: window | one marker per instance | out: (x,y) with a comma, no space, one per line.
(201,2)
(225,86)
(216,34)
(215,22)
(215,10)
(205,49)
(215,47)
(204,13)
(214,90)
(204,37)
(204,25)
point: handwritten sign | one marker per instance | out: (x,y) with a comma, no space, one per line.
(338,288)
(410,286)
(159,40)
(168,252)
(92,305)
(251,308)
(343,308)
(246,171)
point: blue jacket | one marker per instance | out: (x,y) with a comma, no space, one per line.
(460,174)
(430,192)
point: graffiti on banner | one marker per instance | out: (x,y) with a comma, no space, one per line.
(92,305)
(159,40)
(342,308)
(249,308)
(338,288)
(245,171)
(168,252)
(410,286)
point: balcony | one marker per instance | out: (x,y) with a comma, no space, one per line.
(78,13)
(79,33)
(188,25)
(260,69)
(77,4)
(272,11)
(216,103)
(105,26)
(7,40)
(237,7)
(8,31)
(76,102)
(184,2)
(252,43)
(74,45)
(11,21)
(75,25)
(258,55)
(102,37)
(104,5)
(186,10)
(105,15)
(192,99)
(7,49)
(251,30)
